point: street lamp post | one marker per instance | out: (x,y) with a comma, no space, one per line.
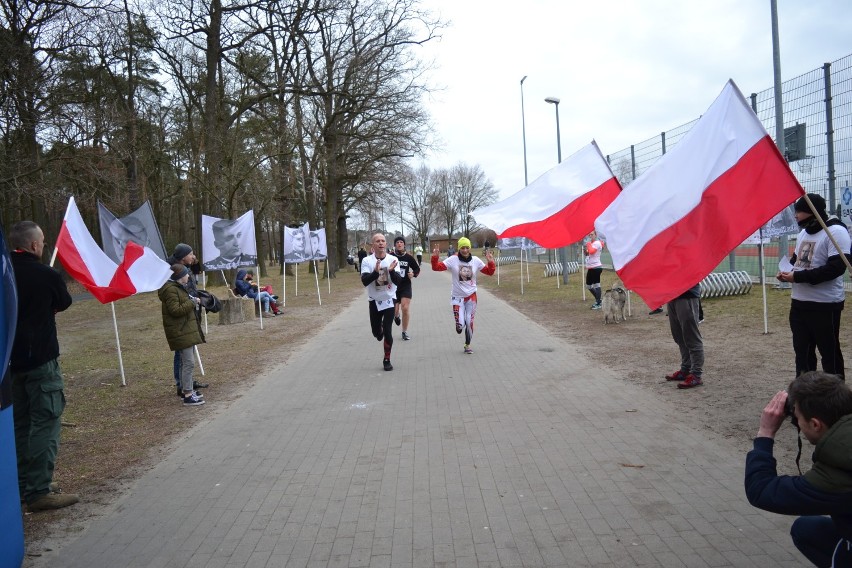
(554,101)
(562,252)
(524,132)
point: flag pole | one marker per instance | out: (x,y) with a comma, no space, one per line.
(257,298)
(297,279)
(198,356)
(316,278)
(582,270)
(522,267)
(564,267)
(328,275)
(118,344)
(204,284)
(498,267)
(762,270)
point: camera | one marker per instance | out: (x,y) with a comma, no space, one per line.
(788,411)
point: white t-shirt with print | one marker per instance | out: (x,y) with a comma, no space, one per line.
(812,251)
(464,274)
(383,290)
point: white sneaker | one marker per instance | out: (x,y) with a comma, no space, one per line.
(192,399)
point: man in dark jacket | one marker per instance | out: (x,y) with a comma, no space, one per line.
(821,405)
(38,396)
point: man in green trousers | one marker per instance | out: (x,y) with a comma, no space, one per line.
(38,398)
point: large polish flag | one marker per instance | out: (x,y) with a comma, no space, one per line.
(140,271)
(673,226)
(560,207)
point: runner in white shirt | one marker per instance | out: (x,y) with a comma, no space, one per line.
(464,267)
(380,275)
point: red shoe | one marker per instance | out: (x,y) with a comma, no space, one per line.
(676,376)
(690,382)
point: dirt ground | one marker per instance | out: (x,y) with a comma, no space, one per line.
(744,366)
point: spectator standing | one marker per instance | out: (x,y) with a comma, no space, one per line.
(182,325)
(38,389)
(821,407)
(683,321)
(418,252)
(818,296)
(183,254)
(594,268)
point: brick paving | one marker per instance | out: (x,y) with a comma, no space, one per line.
(522,454)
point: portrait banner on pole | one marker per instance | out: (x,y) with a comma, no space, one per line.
(138,227)
(296,248)
(228,243)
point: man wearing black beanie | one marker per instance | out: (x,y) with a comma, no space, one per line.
(818,293)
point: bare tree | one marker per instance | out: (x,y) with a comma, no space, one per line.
(420,199)
(474,190)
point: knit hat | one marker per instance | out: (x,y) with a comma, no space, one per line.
(818,202)
(179,271)
(399,238)
(181,251)
(464,242)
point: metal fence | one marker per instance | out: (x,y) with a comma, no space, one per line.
(817,136)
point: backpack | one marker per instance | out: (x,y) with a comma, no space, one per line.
(209,302)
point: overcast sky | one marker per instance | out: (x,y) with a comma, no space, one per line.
(624,71)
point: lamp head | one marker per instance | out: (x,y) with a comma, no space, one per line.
(524,79)
(552,100)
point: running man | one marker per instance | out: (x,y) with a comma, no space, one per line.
(410,268)
(464,267)
(380,275)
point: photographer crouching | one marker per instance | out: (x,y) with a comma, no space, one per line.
(820,405)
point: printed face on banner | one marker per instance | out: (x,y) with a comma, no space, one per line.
(138,227)
(296,244)
(230,243)
(319,249)
(783,223)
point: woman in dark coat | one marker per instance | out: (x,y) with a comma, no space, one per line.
(182,324)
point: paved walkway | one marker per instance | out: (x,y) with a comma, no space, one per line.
(522,454)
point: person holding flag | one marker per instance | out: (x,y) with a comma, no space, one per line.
(818,295)
(38,396)
(463,268)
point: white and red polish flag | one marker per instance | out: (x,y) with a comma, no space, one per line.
(140,271)
(560,207)
(673,226)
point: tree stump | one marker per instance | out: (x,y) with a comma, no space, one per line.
(235,310)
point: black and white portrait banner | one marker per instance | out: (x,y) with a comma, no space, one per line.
(228,243)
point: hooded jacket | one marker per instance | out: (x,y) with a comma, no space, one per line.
(824,490)
(242,286)
(181,321)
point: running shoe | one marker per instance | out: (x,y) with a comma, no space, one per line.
(596,306)
(690,381)
(387,365)
(676,376)
(468,350)
(405,336)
